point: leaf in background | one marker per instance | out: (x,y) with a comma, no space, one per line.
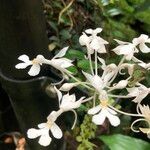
(65,34)
(114,11)
(123,4)
(144,16)
(71,54)
(84,65)
(122,142)
(73,69)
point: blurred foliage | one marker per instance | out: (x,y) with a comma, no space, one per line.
(122,19)
(121,142)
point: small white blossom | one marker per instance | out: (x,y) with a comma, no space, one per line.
(68,102)
(125,48)
(98,82)
(141,40)
(35,68)
(59,62)
(128,49)
(56,62)
(97,43)
(95,81)
(93,42)
(139,92)
(145,111)
(43,131)
(101,112)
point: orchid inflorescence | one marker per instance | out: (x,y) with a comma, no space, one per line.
(100,81)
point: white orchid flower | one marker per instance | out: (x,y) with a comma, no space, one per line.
(93,42)
(125,48)
(128,49)
(35,64)
(141,40)
(59,62)
(102,111)
(98,82)
(139,92)
(95,81)
(145,112)
(68,102)
(56,62)
(97,43)
(43,131)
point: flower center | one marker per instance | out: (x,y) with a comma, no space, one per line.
(49,123)
(104,103)
(35,61)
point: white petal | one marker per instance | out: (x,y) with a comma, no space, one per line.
(141,39)
(33,133)
(98,30)
(102,49)
(95,44)
(95,80)
(59,94)
(84,39)
(22,65)
(102,61)
(111,111)
(121,42)
(67,100)
(99,118)
(94,110)
(24,58)
(124,49)
(61,52)
(114,120)
(133,91)
(140,97)
(121,84)
(76,104)
(144,48)
(52,116)
(42,125)
(89,31)
(56,131)
(34,70)
(61,63)
(45,140)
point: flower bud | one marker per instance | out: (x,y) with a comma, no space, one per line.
(68,86)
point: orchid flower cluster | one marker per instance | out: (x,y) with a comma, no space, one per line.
(100,81)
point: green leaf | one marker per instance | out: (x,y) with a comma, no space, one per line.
(84,65)
(144,16)
(121,142)
(65,34)
(71,54)
(73,69)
